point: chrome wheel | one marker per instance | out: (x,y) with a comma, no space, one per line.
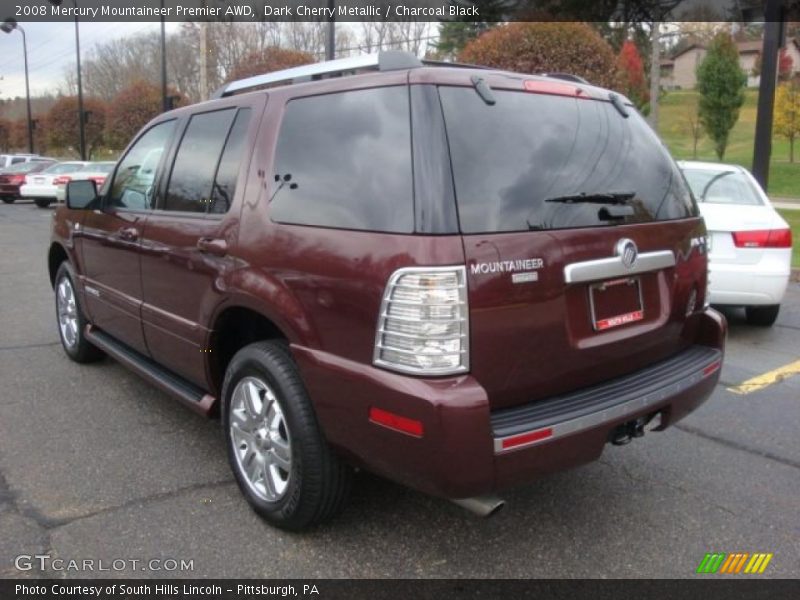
(260,438)
(67,310)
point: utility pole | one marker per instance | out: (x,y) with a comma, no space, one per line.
(203,60)
(164,99)
(330,42)
(655,73)
(762,150)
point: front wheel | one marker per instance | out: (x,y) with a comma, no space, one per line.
(42,202)
(71,322)
(280,459)
(762,316)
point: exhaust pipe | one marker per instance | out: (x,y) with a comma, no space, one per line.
(483,506)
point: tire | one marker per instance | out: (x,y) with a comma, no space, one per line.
(762,316)
(70,319)
(276,424)
(42,202)
(8,199)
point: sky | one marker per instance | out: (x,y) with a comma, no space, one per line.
(51,50)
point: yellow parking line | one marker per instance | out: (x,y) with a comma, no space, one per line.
(759,382)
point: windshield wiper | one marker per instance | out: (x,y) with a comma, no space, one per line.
(598,198)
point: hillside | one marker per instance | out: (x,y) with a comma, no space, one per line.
(784,179)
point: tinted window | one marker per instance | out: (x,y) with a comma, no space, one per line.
(228,170)
(133,182)
(16,160)
(192,176)
(509,159)
(722,187)
(349,159)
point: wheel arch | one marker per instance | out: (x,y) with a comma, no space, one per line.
(55,256)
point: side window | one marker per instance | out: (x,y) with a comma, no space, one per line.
(192,178)
(133,184)
(228,170)
(344,160)
(17,160)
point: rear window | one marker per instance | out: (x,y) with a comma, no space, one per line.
(722,187)
(517,161)
(344,160)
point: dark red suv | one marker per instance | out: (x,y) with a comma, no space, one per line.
(457,278)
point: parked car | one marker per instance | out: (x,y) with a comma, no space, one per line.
(8,160)
(12,178)
(750,243)
(41,186)
(96,171)
(347,284)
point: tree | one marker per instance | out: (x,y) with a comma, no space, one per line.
(787,114)
(5,135)
(545,47)
(631,73)
(455,35)
(63,126)
(132,108)
(694,126)
(785,64)
(720,83)
(270,59)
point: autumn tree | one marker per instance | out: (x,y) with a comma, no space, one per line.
(787,114)
(5,134)
(132,108)
(267,60)
(720,83)
(63,126)
(545,47)
(631,74)
(785,64)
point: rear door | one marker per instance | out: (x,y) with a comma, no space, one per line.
(579,233)
(187,241)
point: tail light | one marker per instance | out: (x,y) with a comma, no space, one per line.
(423,327)
(62,180)
(763,238)
(98,179)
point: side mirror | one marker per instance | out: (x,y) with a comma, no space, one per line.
(81,193)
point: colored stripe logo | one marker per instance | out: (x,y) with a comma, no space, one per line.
(735,563)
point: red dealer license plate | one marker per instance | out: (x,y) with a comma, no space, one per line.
(616,302)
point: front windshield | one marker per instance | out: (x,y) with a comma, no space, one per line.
(722,187)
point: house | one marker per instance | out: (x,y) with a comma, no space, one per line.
(680,71)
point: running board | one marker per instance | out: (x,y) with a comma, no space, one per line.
(188,393)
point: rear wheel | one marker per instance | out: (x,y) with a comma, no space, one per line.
(42,202)
(763,316)
(71,322)
(8,199)
(281,461)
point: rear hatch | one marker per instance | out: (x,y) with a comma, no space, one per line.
(555,185)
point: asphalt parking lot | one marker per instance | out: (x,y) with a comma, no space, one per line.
(96,464)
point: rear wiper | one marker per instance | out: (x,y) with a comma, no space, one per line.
(598,198)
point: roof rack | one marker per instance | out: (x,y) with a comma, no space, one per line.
(388,60)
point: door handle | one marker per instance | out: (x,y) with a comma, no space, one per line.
(215,246)
(128,234)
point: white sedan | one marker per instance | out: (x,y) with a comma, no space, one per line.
(41,186)
(750,244)
(96,171)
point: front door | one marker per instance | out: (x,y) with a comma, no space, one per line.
(186,241)
(111,239)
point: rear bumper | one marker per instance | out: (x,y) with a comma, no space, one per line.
(9,189)
(30,190)
(758,284)
(463,450)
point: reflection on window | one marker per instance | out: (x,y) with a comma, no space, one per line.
(721,187)
(348,161)
(133,183)
(190,184)
(228,170)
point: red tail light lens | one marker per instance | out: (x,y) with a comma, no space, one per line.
(98,180)
(763,238)
(62,180)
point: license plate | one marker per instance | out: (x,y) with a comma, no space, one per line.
(615,303)
(38,180)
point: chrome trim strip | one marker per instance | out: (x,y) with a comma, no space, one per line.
(606,268)
(609,414)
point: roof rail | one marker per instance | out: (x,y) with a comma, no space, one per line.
(388,60)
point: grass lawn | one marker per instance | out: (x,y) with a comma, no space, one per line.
(792,217)
(784,177)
